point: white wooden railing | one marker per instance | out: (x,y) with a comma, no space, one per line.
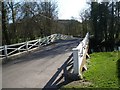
(79,56)
(15,49)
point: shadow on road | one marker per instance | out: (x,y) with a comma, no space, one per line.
(64,79)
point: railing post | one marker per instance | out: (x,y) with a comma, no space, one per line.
(39,42)
(52,38)
(77,62)
(5,51)
(27,46)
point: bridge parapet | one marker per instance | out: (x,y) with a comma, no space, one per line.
(79,56)
(8,51)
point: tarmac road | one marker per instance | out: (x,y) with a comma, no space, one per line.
(37,68)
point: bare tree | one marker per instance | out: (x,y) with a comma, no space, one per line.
(5,37)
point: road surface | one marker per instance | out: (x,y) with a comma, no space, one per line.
(34,70)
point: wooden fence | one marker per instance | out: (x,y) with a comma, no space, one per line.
(79,56)
(7,51)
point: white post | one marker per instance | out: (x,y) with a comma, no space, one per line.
(5,51)
(52,37)
(77,62)
(27,46)
(39,42)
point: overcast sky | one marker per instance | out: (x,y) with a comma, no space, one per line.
(69,8)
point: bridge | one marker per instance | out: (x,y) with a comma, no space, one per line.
(47,63)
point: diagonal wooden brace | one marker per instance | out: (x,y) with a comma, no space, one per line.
(88,55)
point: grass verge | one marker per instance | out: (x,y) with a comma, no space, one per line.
(103,71)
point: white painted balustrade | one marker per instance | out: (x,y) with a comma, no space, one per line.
(29,45)
(79,56)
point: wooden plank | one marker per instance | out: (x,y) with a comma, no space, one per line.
(32,45)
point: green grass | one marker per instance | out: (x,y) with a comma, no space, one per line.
(103,71)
